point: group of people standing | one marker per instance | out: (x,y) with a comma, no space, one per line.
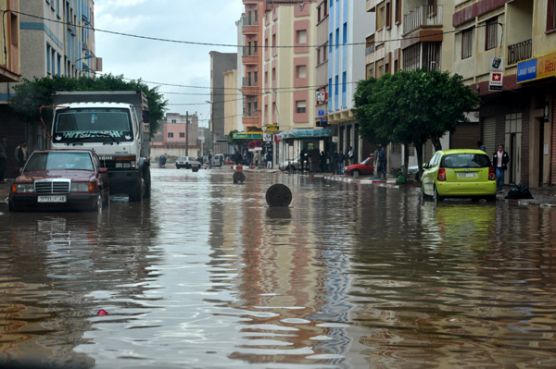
(20,156)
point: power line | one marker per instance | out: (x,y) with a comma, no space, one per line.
(204,43)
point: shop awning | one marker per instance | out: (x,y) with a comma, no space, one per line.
(306,133)
(255,135)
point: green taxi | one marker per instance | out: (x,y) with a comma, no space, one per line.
(459,173)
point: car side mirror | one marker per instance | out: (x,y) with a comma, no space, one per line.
(103,170)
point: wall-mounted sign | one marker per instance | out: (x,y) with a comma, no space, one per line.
(537,68)
(496,81)
(322,96)
(527,70)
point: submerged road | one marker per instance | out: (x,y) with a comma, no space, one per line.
(204,275)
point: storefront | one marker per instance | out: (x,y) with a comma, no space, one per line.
(291,143)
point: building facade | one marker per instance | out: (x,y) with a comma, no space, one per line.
(176,130)
(289,76)
(219,64)
(10,70)
(232,118)
(348,26)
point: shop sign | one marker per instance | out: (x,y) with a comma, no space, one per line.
(272,128)
(496,81)
(546,66)
(322,96)
(527,70)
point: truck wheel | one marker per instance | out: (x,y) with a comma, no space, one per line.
(12,207)
(147,182)
(136,194)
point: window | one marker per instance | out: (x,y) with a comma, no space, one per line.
(388,15)
(344,82)
(274,74)
(491,34)
(337,37)
(551,16)
(398,11)
(301,71)
(48,59)
(467,43)
(174,121)
(302,37)
(59,65)
(170,134)
(330,42)
(324,56)
(301,106)
(345,34)
(182,134)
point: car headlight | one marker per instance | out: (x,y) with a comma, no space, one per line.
(79,187)
(23,187)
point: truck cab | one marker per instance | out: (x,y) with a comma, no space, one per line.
(114,131)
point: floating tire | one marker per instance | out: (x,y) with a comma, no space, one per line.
(278,195)
(238,177)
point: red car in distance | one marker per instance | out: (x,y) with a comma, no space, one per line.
(364,168)
(60,179)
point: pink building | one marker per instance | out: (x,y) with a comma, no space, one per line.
(171,139)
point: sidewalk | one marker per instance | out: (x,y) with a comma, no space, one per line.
(544,197)
(4,191)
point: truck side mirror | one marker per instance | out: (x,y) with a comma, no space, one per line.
(146,116)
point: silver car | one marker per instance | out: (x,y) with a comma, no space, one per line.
(188,162)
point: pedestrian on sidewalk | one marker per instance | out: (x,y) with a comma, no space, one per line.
(381,162)
(500,160)
(3,158)
(268,159)
(21,155)
(349,156)
(341,163)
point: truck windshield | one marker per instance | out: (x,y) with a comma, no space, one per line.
(92,124)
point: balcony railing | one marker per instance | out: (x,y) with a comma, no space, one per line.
(423,16)
(521,51)
(249,20)
(249,51)
(247,82)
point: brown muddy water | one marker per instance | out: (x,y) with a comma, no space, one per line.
(206,276)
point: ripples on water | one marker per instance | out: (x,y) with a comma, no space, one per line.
(206,276)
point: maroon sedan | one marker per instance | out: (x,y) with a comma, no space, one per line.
(364,168)
(66,179)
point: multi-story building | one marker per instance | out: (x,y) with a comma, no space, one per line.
(516,40)
(10,70)
(219,64)
(232,118)
(321,92)
(176,130)
(348,26)
(289,76)
(251,25)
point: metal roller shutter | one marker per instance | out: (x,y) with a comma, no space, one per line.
(489,134)
(466,136)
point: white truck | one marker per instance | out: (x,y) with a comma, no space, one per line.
(115,125)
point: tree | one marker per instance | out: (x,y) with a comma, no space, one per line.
(412,107)
(31,95)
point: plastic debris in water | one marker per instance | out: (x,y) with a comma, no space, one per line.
(102,312)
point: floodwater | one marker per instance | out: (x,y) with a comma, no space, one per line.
(206,276)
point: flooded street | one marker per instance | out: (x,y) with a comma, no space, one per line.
(206,276)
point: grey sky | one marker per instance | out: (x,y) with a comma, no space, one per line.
(191,20)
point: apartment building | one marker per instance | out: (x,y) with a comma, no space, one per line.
(515,40)
(348,26)
(252,62)
(220,63)
(175,131)
(10,70)
(288,70)
(232,118)
(321,92)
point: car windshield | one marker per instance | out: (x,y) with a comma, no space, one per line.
(465,161)
(59,161)
(93,123)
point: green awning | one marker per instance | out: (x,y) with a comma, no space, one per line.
(306,133)
(247,136)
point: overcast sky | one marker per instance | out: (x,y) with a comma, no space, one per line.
(191,20)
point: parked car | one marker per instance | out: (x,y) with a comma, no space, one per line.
(68,179)
(366,167)
(289,166)
(217,160)
(188,162)
(459,173)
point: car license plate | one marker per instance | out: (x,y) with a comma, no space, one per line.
(467,175)
(51,199)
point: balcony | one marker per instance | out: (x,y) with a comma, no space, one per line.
(520,51)
(252,120)
(250,87)
(250,25)
(250,58)
(370,44)
(422,17)
(369,50)
(371,4)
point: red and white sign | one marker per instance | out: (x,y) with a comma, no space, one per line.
(496,81)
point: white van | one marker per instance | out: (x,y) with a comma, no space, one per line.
(218,160)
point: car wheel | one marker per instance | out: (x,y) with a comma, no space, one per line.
(195,169)
(97,204)
(491,198)
(436,196)
(12,207)
(355,173)
(136,194)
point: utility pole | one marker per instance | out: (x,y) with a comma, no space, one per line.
(186,133)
